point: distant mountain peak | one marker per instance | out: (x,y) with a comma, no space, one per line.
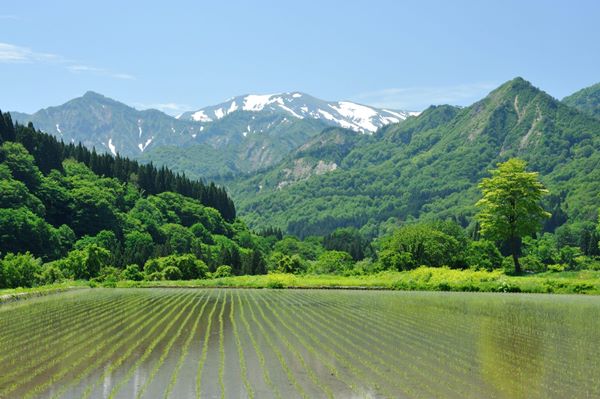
(345,114)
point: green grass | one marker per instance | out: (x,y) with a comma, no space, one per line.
(420,279)
(10,294)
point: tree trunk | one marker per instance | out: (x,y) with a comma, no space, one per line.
(515,249)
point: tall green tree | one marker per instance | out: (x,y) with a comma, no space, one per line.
(510,208)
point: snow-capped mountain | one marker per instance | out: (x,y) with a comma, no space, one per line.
(243,134)
(108,125)
(345,114)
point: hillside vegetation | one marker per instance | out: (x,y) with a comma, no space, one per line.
(427,167)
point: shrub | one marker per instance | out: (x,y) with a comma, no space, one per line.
(20,270)
(50,274)
(483,255)
(188,265)
(85,263)
(394,260)
(132,272)
(532,264)
(290,264)
(108,273)
(222,271)
(332,262)
(172,273)
(155,276)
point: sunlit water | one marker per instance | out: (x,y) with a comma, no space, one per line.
(187,343)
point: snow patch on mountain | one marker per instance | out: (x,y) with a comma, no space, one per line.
(200,116)
(112,147)
(346,114)
(143,146)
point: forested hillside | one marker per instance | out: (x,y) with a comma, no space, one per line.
(428,167)
(86,214)
(586,100)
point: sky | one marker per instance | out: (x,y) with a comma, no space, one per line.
(184,55)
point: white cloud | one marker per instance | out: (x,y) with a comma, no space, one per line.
(419,98)
(77,68)
(10,54)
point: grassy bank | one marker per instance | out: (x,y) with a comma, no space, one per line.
(13,294)
(423,278)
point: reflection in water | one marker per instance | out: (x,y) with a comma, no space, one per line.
(349,343)
(511,357)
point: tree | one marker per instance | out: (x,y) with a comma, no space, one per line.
(510,208)
(424,244)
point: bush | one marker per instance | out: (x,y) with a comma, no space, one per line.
(155,276)
(108,273)
(188,265)
(85,263)
(483,255)
(172,273)
(366,266)
(332,262)
(394,260)
(222,271)
(19,270)
(289,264)
(50,274)
(532,264)
(132,272)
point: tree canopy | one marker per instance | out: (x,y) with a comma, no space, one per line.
(510,208)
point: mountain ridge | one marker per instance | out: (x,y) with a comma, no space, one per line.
(259,132)
(429,166)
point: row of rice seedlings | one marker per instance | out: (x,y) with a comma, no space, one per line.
(45,357)
(349,382)
(24,375)
(353,350)
(240,349)
(204,352)
(457,360)
(278,354)
(311,374)
(417,364)
(44,339)
(24,339)
(319,343)
(222,348)
(102,337)
(167,348)
(128,337)
(185,350)
(522,338)
(257,349)
(19,328)
(152,345)
(39,311)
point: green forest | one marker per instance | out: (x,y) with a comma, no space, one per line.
(68,213)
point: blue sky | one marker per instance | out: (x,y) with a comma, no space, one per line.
(182,55)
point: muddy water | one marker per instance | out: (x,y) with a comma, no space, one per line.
(187,343)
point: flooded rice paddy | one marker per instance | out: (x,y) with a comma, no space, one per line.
(211,343)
